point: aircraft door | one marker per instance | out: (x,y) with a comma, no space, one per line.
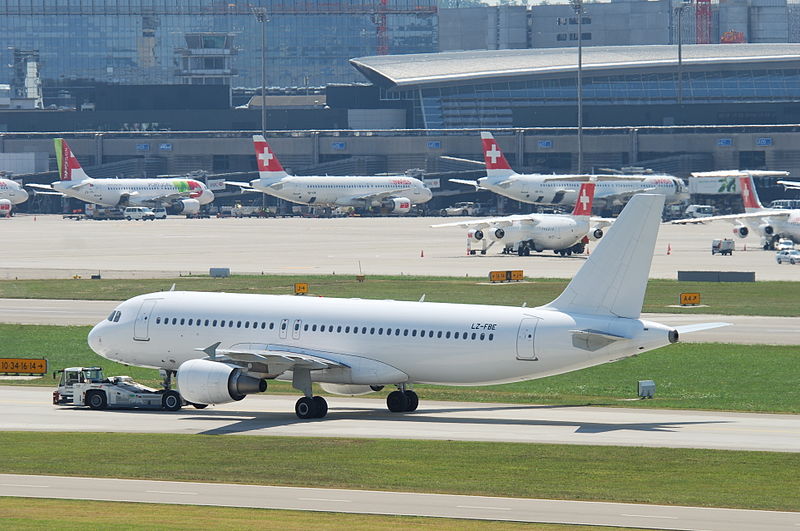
(296,328)
(141,327)
(526,348)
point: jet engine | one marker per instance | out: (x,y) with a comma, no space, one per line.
(5,208)
(512,233)
(499,234)
(741,231)
(766,229)
(186,206)
(476,235)
(350,390)
(212,382)
(398,205)
(595,234)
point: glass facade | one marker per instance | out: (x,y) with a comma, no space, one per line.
(490,104)
(153,41)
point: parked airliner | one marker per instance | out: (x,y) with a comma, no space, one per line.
(395,194)
(771,224)
(11,193)
(182,196)
(564,234)
(225,346)
(612,189)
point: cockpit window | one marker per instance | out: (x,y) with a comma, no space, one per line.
(119,314)
(111,315)
(115,315)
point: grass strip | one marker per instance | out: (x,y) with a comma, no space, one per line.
(687,375)
(65,515)
(716,478)
(771,298)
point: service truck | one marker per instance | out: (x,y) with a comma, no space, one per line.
(87,386)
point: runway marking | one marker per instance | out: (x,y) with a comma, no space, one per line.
(651,516)
(24,486)
(483,507)
(170,492)
(325,500)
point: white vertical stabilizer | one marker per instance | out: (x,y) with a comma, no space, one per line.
(614,278)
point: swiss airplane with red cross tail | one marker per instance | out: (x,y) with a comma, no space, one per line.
(561,233)
(771,224)
(394,194)
(611,189)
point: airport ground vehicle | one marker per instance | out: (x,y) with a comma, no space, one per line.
(160,213)
(461,209)
(791,256)
(784,245)
(699,211)
(87,386)
(723,247)
(138,213)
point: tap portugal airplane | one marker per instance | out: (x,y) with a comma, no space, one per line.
(183,196)
(11,193)
(395,194)
(225,346)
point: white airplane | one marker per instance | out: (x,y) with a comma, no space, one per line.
(771,224)
(11,193)
(612,189)
(183,196)
(565,234)
(394,194)
(224,346)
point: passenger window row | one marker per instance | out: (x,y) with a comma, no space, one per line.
(326,328)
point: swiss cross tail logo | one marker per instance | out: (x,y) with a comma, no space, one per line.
(493,154)
(265,156)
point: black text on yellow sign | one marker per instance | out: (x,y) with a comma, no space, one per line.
(301,288)
(506,276)
(23,366)
(689,299)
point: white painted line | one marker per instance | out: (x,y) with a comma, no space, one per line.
(25,486)
(483,507)
(651,516)
(170,492)
(325,500)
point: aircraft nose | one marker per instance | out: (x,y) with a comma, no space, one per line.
(24,195)
(95,338)
(209,195)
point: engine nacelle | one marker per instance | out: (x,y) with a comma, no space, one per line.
(212,382)
(349,390)
(186,206)
(5,208)
(595,234)
(499,234)
(476,235)
(511,233)
(766,229)
(741,231)
(398,205)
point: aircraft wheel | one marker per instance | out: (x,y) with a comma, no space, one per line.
(413,401)
(305,408)
(97,400)
(171,401)
(321,405)
(569,253)
(397,402)
(200,406)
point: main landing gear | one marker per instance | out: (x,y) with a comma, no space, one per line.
(402,400)
(310,406)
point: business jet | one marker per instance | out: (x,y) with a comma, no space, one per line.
(11,193)
(564,234)
(182,196)
(771,224)
(394,194)
(612,189)
(225,346)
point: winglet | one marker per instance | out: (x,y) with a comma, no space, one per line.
(614,278)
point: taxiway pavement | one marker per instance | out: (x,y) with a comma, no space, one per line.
(30,409)
(392,503)
(51,247)
(745,329)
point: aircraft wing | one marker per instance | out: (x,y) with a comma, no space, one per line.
(240,185)
(734,218)
(380,195)
(620,196)
(273,359)
(601,222)
(790,185)
(593,178)
(505,221)
(40,186)
(467,182)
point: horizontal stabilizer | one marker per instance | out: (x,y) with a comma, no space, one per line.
(592,340)
(688,329)
(464,181)
(240,185)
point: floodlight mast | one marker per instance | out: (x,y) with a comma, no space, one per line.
(261,17)
(577,7)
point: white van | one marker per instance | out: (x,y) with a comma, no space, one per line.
(699,211)
(137,213)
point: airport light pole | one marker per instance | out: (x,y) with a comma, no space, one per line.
(679,15)
(577,7)
(261,16)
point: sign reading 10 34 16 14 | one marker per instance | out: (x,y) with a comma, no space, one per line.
(23,366)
